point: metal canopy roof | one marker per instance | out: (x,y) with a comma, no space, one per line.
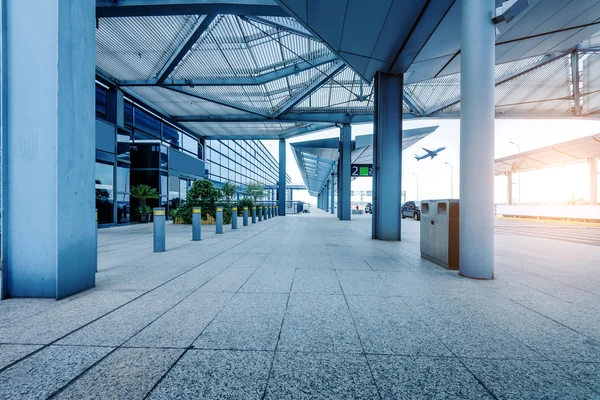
(243,69)
(317,159)
(573,151)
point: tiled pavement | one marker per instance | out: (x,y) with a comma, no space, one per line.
(309,307)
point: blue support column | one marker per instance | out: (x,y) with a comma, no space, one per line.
(282,181)
(158,228)
(196,223)
(477,115)
(387,157)
(326,196)
(332,194)
(219,220)
(48,132)
(344,177)
(234,218)
(339,192)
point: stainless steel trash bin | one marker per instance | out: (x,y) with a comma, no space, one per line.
(440,232)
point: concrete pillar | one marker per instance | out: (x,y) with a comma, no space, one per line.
(48,132)
(344,176)
(158,229)
(326,192)
(509,188)
(282,181)
(332,200)
(387,158)
(477,140)
(196,223)
(594,181)
(339,190)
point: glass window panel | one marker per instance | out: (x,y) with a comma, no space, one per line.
(143,137)
(101,100)
(104,192)
(164,157)
(190,144)
(147,122)
(164,190)
(123,208)
(183,188)
(171,136)
(128,113)
(123,144)
(123,177)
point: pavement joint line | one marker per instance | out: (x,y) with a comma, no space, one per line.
(115,309)
(287,302)
(359,338)
(191,346)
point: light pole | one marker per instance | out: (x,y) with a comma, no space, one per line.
(451,180)
(417,185)
(519,147)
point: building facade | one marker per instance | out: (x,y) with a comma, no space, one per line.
(135,145)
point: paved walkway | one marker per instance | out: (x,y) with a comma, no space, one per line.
(310,307)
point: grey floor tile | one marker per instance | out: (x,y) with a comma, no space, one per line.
(206,374)
(250,321)
(319,323)
(9,353)
(270,280)
(525,379)
(584,372)
(321,281)
(123,374)
(424,378)
(229,280)
(182,324)
(47,371)
(363,283)
(320,376)
(386,326)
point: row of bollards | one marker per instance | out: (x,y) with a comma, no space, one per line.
(262,212)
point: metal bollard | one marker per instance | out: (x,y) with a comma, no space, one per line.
(265,212)
(245,216)
(277,211)
(219,220)
(270,211)
(234,218)
(259,213)
(196,223)
(253,215)
(159,229)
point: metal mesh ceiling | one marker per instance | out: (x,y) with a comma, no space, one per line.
(263,68)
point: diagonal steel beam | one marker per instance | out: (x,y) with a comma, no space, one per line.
(408,99)
(201,25)
(549,58)
(299,96)
(185,91)
(280,25)
(146,8)
(264,78)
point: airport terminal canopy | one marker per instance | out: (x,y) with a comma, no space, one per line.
(264,69)
(317,159)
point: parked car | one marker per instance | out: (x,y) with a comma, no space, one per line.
(412,210)
(368,209)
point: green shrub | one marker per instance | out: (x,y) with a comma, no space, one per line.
(246,202)
(204,194)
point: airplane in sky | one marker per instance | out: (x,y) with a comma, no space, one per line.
(430,153)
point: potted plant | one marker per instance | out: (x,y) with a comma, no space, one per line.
(143,193)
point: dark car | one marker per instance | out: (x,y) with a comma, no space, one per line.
(368,209)
(412,210)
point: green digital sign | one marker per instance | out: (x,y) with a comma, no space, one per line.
(358,170)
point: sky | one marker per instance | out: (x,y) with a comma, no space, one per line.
(544,186)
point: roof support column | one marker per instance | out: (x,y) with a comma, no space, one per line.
(344,176)
(593,181)
(48,68)
(509,192)
(326,189)
(282,181)
(477,140)
(332,206)
(387,157)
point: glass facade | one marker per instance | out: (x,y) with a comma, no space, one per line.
(142,157)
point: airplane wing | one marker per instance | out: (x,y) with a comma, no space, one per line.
(429,152)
